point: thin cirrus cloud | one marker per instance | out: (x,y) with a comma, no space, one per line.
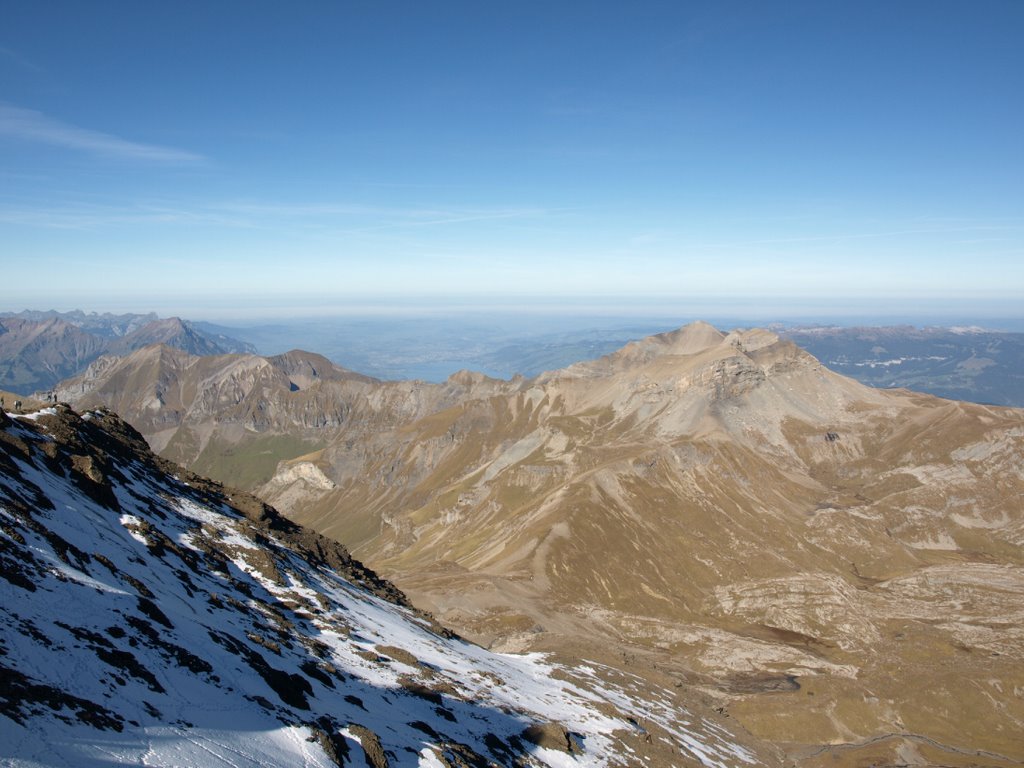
(19,60)
(381,217)
(260,215)
(30,125)
(91,217)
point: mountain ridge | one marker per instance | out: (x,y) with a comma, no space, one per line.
(39,349)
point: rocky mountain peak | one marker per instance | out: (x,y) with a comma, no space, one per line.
(304,368)
(172,324)
(466,378)
(690,339)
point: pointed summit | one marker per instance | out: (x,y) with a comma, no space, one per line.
(304,368)
(175,332)
(691,339)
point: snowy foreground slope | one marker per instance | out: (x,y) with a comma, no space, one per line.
(148,619)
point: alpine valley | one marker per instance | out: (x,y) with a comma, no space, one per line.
(837,570)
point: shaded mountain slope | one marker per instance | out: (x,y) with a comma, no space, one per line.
(150,618)
(836,566)
(177,333)
(37,354)
(105,324)
(38,349)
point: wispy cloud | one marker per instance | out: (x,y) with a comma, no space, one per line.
(89,217)
(337,216)
(12,55)
(380,217)
(30,125)
(845,236)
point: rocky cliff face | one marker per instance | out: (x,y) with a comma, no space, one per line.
(150,618)
(838,567)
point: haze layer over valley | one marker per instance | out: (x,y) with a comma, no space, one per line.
(837,567)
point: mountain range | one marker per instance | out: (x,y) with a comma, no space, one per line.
(959,363)
(836,568)
(39,349)
(151,617)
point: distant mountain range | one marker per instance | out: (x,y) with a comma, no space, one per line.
(835,566)
(965,363)
(962,363)
(105,324)
(39,349)
(149,617)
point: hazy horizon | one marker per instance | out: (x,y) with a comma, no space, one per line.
(574,313)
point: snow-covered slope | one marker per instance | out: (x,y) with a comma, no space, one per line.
(149,619)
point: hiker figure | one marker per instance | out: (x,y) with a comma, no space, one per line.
(1,403)
(17,405)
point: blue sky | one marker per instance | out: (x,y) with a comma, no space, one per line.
(222,158)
